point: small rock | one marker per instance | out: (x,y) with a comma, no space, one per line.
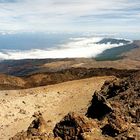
(22,111)
(38,125)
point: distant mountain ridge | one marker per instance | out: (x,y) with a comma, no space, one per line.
(48,78)
(113,41)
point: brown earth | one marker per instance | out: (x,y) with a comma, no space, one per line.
(49,78)
(54,101)
(114,114)
(11,82)
(57,87)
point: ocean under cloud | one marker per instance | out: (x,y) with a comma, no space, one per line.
(76,48)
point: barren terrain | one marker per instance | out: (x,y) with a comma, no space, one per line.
(57,87)
(18,106)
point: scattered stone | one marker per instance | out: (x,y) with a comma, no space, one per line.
(23,102)
(22,111)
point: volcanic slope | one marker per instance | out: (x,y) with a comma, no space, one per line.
(54,101)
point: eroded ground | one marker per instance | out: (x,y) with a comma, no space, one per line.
(18,106)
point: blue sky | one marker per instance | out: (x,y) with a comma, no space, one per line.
(74,15)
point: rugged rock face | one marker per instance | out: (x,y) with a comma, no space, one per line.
(117,105)
(99,107)
(115,125)
(77,127)
(113,88)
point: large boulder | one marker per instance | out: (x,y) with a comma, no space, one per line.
(99,107)
(114,87)
(77,127)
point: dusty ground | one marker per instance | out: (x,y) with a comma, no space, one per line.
(126,63)
(18,106)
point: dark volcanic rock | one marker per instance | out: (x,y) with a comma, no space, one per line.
(113,88)
(77,127)
(118,102)
(133,133)
(99,107)
(116,124)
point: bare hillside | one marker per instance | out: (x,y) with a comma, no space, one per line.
(54,101)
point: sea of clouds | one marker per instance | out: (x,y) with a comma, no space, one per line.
(84,47)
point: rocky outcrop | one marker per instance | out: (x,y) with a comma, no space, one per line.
(36,131)
(77,127)
(113,88)
(115,125)
(99,107)
(114,114)
(72,127)
(117,106)
(38,126)
(49,78)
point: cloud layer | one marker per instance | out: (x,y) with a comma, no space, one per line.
(73,15)
(77,47)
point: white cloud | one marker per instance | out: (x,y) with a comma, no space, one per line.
(77,47)
(45,15)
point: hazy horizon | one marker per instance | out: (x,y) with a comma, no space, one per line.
(39,28)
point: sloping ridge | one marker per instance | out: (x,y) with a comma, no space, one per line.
(49,78)
(11,82)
